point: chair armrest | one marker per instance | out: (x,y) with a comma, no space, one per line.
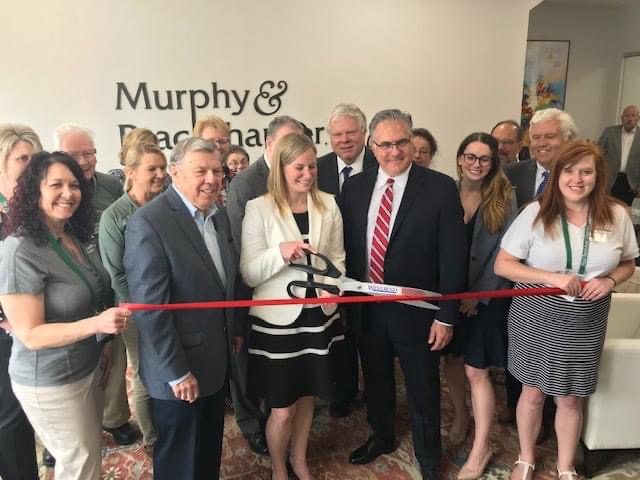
(611,418)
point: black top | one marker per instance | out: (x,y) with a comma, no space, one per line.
(302,220)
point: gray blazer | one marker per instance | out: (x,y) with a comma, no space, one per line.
(167,261)
(522,176)
(482,255)
(611,144)
(247,185)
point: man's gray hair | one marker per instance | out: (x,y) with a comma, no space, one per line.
(67,128)
(348,110)
(278,122)
(568,128)
(188,145)
(389,115)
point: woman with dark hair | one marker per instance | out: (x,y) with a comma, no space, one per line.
(575,233)
(17,446)
(236,160)
(55,295)
(425,146)
(489,203)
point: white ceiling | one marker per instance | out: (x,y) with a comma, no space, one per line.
(599,3)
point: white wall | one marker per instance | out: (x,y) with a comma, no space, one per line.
(592,79)
(457,66)
(629,41)
(599,37)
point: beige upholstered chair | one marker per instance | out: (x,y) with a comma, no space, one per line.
(612,419)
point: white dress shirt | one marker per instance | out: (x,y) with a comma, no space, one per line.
(539,171)
(399,185)
(626,140)
(356,167)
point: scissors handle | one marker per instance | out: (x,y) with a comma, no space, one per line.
(308,284)
(329,270)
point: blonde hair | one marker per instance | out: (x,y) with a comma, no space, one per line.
(133,157)
(133,138)
(10,135)
(286,151)
(210,121)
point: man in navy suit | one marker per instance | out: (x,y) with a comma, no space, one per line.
(425,248)
(179,249)
(347,127)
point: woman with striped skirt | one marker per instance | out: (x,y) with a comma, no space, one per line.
(581,240)
(292,348)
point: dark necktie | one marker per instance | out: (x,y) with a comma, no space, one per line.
(346,172)
(545,177)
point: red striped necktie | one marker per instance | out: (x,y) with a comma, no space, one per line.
(381,235)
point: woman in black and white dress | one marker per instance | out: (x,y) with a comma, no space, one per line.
(292,348)
(574,233)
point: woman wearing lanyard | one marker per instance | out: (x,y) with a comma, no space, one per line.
(54,292)
(145,168)
(17,447)
(574,233)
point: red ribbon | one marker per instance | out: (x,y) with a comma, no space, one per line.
(507,292)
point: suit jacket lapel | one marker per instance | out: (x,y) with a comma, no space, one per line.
(366,192)
(315,223)
(333,173)
(190,230)
(410,193)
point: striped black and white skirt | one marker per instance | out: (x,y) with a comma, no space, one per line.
(297,360)
(556,344)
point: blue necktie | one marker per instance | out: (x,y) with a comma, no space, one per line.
(545,177)
(346,172)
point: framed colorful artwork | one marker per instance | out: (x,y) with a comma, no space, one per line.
(545,77)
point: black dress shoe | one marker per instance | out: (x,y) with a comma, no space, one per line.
(257,443)
(429,473)
(47,459)
(124,434)
(368,452)
(339,409)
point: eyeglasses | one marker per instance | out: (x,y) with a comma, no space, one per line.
(387,146)
(86,154)
(507,143)
(470,159)
(220,141)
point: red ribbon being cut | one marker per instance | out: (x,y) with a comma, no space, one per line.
(508,292)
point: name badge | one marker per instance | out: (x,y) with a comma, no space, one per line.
(600,236)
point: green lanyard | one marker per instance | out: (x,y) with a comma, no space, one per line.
(72,264)
(567,246)
(4,203)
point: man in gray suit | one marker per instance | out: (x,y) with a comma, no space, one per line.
(247,185)
(621,147)
(179,249)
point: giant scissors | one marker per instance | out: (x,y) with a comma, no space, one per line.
(348,285)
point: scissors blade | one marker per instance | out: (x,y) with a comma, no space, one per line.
(383,289)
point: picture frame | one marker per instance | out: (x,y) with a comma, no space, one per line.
(545,77)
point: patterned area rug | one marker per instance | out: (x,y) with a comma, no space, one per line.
(333,439)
